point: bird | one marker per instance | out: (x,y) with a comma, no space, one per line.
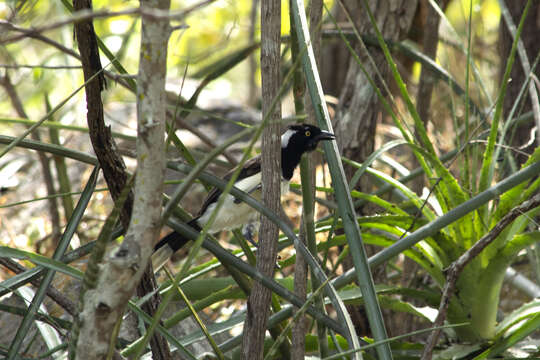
(295,141)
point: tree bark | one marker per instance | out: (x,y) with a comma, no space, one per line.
(123,268)
(258,305)
(359,107)
(114,169)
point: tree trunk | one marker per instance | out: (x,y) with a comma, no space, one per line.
(258,305)
(122,269)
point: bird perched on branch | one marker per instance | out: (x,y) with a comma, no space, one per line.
(297,140)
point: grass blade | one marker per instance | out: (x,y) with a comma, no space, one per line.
(59,252)
(342,191)
(443,221)
(486,174)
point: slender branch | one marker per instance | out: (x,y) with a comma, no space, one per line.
(88,15)
(299,328)
(27,66)
(36,35)
(304,107)
(114,169)
(32,34)
(55,294)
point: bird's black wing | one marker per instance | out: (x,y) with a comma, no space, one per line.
(251,167)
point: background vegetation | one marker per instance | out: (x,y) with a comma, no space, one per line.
(435,107)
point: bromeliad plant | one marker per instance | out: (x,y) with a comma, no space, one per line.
(476,298)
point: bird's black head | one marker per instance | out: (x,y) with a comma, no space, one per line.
(303,138)
(297,140)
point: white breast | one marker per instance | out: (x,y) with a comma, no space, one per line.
(233,215)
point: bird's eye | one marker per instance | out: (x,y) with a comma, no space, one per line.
(308,133)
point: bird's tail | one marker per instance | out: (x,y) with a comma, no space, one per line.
(170,244)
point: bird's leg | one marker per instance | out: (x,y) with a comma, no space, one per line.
(248,231)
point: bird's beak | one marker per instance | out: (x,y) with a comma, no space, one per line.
(325,135)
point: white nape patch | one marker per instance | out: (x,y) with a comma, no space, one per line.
(286,137)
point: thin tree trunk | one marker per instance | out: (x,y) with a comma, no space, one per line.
(114,169)
(122,270)
(258,305)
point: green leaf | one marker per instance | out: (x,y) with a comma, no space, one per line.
(488,163)
(224,64)
(352,295)
(374,199)
(517,195)
(526,311)
(518,243)
(50,336)
(523,330)
(411,195)
(58,254)
(37,259)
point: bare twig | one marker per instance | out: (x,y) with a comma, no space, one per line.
(32,34)
(303,106)
(151,117)
(88,14)
(506,147)
(114,169)
(55,294)
(205,139)
(26,66)
(36,35)
(453,272)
